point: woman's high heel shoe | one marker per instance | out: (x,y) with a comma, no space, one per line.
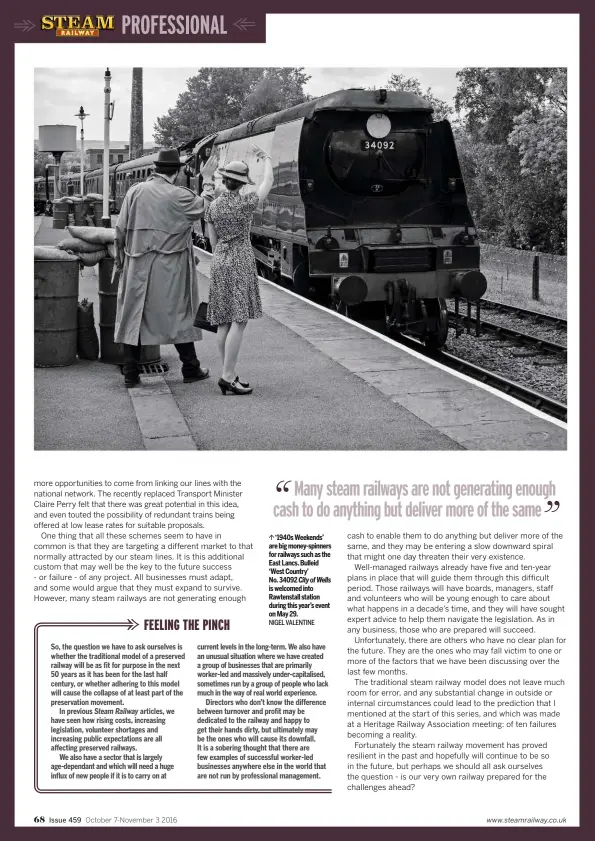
(244,385)
(235,387)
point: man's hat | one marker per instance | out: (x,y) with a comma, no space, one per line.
(237,170)
(168,158)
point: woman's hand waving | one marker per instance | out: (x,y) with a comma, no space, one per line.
(259,152)
(208,170)
(267,182)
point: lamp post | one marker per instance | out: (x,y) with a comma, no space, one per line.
(108,114)
(81,115)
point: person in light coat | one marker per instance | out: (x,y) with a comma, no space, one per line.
(154,264)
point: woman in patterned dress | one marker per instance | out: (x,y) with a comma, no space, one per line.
(234,296)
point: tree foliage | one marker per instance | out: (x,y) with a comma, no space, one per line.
(71,161)
(40,159)
(277,88)
(540,135)
(512,146)
(221,97)
(399,82)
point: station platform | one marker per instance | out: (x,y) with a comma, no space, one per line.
(321,382)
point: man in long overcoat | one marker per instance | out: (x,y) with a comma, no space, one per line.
(158,287)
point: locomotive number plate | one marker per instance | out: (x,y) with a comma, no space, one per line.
(377,145)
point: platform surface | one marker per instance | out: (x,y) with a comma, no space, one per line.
(320,383)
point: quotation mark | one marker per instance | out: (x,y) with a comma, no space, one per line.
(284,484)
(551,504)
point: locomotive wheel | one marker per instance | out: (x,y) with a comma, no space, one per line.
(438,309)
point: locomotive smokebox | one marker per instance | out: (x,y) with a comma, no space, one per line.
(470,285)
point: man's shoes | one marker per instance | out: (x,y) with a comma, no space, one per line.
(131,381)
(196,375)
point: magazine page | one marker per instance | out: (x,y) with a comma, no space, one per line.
(297,453)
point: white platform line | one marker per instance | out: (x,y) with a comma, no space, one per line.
(494,391)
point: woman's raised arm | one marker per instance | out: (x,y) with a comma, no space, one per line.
(265,188)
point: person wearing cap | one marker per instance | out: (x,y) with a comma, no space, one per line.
(234,296)
(154,263)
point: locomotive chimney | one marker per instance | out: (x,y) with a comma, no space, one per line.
(136,114)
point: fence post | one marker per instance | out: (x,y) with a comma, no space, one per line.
(535,284)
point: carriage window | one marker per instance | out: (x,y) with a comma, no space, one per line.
(365,166)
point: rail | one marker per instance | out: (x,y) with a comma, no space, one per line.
(524,313)
(525,339)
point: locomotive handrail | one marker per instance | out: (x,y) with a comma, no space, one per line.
(327,210)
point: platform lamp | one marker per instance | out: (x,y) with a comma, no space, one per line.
(81,115)
(108,116)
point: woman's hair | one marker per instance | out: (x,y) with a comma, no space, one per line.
(232,184)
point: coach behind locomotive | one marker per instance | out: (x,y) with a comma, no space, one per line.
(122,176)
(368,208)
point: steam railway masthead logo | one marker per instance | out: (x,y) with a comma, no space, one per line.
(77,26)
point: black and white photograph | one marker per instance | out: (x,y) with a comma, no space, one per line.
(370,258)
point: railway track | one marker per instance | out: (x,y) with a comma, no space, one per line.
(514,389)
(520,338)
(553,320)
(526,395)
(533,398)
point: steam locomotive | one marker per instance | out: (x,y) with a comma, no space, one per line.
(368,210)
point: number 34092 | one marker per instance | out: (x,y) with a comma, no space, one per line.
(377,144)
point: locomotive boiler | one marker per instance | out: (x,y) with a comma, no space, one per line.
(368,210)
